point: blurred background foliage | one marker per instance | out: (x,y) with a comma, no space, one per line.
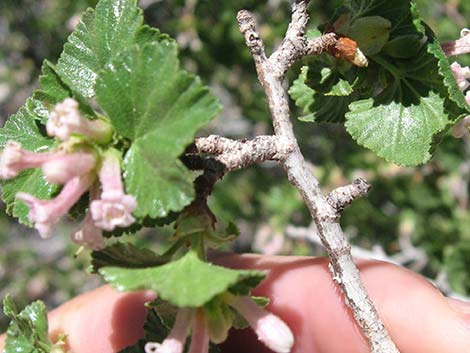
(418,217)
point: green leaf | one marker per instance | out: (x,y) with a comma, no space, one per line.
(401,122)
(395,11)
(187,282)
(144,90)
(22,127)
(398,133)
(124,255)
(151,101)
(101,34)
(404,47)
(160,183)
(27,331)
(455,94)
(329,98)
(53,90)
(218,317)
(371,33)
(404,100)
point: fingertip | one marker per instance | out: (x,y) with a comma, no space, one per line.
(303,294)
(102,321)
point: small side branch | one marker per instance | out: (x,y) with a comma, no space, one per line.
(343,196)
(459,46)
(295,44)
(237,154)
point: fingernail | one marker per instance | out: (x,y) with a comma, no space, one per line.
(460,306)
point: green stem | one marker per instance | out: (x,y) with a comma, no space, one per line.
(197,245)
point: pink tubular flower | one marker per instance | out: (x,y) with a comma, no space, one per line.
(66,120)
(14,160)
(114,208)
(58,167)
(462,75)
(45,213)
(271,330)
(175,341)
(65,166)
(200,335)
(89,235)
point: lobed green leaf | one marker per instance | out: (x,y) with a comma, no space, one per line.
(403,100)
(159,107)
(28,330)
(101,34)
(187,282)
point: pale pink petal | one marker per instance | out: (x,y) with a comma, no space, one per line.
(462,128)
(66,166)
(175,341)
(114,208)
(110,174)
(270,329)
(89,235)
(117,212)
(66,120)
(200,335)
(14,160)
(462,75)
(45,213)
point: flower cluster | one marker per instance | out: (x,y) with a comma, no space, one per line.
(269,328)
(75,163)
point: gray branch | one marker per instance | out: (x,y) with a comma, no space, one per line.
(271,74)
(237,154)
(343,196)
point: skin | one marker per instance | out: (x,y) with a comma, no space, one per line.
(302,293)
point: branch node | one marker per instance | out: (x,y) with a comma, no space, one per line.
(343,196)
(322,44)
